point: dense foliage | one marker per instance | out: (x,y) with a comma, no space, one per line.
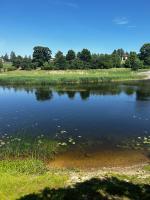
(42,58)
(1,65)
(145,53)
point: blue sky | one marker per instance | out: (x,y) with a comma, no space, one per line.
(100,25)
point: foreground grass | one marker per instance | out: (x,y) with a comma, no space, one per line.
(19,178)
(68,76)
(31,179)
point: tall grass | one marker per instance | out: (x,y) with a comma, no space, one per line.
(27,166)
(28,147)
(69,76)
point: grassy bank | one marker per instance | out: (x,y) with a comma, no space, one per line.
(19,178)
(31,179)
(74,76)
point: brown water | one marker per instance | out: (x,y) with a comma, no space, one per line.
(105,158)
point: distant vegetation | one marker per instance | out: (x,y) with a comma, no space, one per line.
(43,77)
(42,59)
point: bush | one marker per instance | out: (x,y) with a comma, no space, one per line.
(127,64)
(137,64)
(76,64)
(1,65)
(7,66)
(48,66)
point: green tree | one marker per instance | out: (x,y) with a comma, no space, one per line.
(41,55)
(116,60)
(133,62)
(119,52)
(48,66)
(17,61)
(60,61)
(6,57)
(26,64)
(12,56)
(137,64)
(85,55)
(76,64)
(1,65)
(145,53)
(132,57)
(71,55)
(127,64)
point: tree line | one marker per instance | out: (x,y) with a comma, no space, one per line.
(42,58)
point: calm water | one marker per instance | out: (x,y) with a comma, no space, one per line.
(102,115)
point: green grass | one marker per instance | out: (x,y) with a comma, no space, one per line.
(31,179)
(28,167)
(22,177)
(14,187)
(69,76)
(147,168)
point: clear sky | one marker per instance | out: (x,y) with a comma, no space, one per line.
(100,25)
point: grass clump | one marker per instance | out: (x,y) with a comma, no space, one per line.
(22,167)
(38,147)
(147,168)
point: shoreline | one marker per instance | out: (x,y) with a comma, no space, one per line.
(78,175)
(58,182)
(40,77)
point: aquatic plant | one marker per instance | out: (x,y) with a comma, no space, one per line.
(139,143)
(38,147)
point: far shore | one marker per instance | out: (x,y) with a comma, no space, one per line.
(41,77)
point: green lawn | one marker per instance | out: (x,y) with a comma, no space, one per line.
(68,76)
(33,180)
(19,178)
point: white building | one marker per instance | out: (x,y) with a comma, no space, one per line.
(124,58)
(2,60)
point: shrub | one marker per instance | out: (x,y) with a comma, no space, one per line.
(48,66)
(1,65)
(137,64)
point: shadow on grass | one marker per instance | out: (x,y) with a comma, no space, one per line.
(95,189)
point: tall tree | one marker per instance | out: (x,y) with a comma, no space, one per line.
(41,55)
(145,53)
(133,61)
(6,57)
(116,60)
(17,61)
(119,52)
(85,55)
(1,64)
(60,61)
(71,55)
(12,56)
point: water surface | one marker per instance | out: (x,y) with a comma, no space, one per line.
(97,117)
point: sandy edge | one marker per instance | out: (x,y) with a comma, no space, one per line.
(146,74)
(78,176)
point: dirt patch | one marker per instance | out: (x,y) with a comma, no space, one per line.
(146,74)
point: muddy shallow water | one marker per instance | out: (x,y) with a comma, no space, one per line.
(98,124)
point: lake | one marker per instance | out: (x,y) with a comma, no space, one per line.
(105,124)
